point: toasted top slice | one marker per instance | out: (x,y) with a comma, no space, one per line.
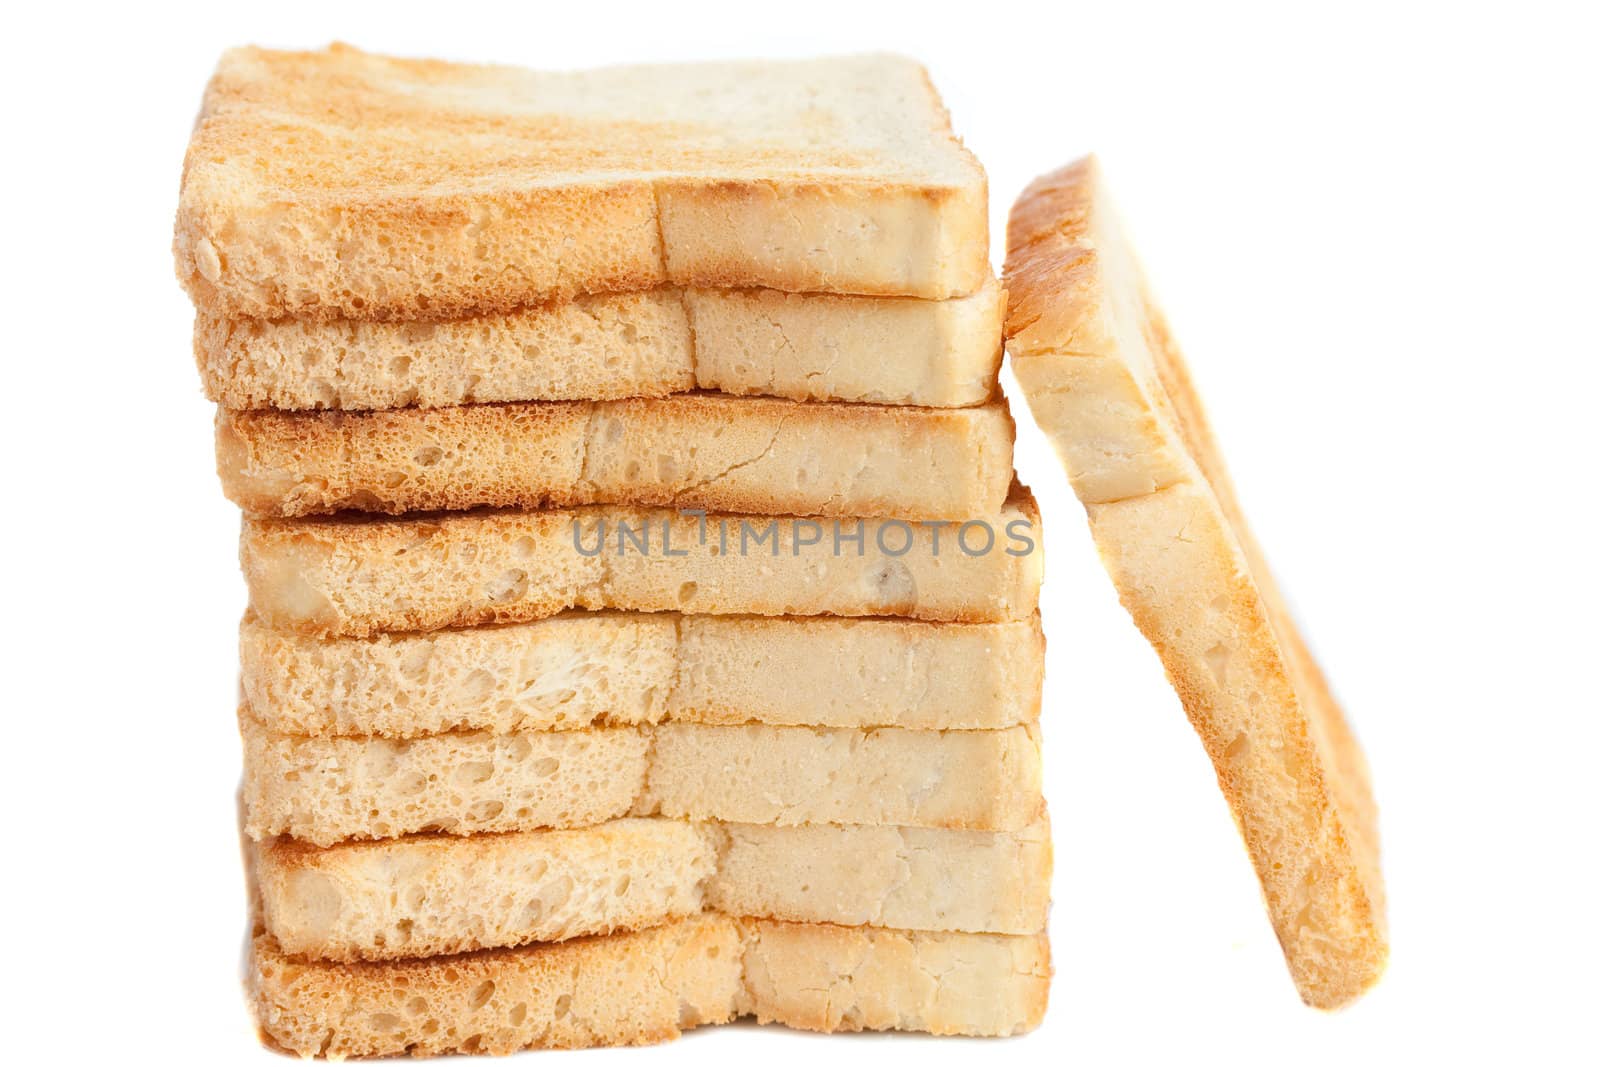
(341,184)
(1105,381)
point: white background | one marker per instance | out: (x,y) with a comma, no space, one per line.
(1375,232)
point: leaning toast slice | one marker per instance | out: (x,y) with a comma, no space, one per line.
(1106,383)
(749,454)
(338,184)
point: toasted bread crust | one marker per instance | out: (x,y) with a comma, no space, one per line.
(743,342)
(746,454)
(358,577)
(338,184)
(1106,382)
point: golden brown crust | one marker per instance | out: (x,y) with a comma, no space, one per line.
(1106,382)
(338,184)
(744,454)
(356,577)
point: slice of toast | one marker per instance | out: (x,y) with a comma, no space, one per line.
(1106,383)
(802,346)
(428,896)
(650,985)
(576,671)
(356,577)
(328,789)
(339,184)
(747,454)
(626,989)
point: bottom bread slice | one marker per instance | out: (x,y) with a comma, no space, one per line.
(424,896)
(623,989)
(650,985)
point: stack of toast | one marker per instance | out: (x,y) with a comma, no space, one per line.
(642,624)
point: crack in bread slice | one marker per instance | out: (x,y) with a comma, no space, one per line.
(719,453)
(358,576)
(1106,383)
(650,985)
(329,789)
(433,895)
(743,342)
(339,184)
(577,671)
